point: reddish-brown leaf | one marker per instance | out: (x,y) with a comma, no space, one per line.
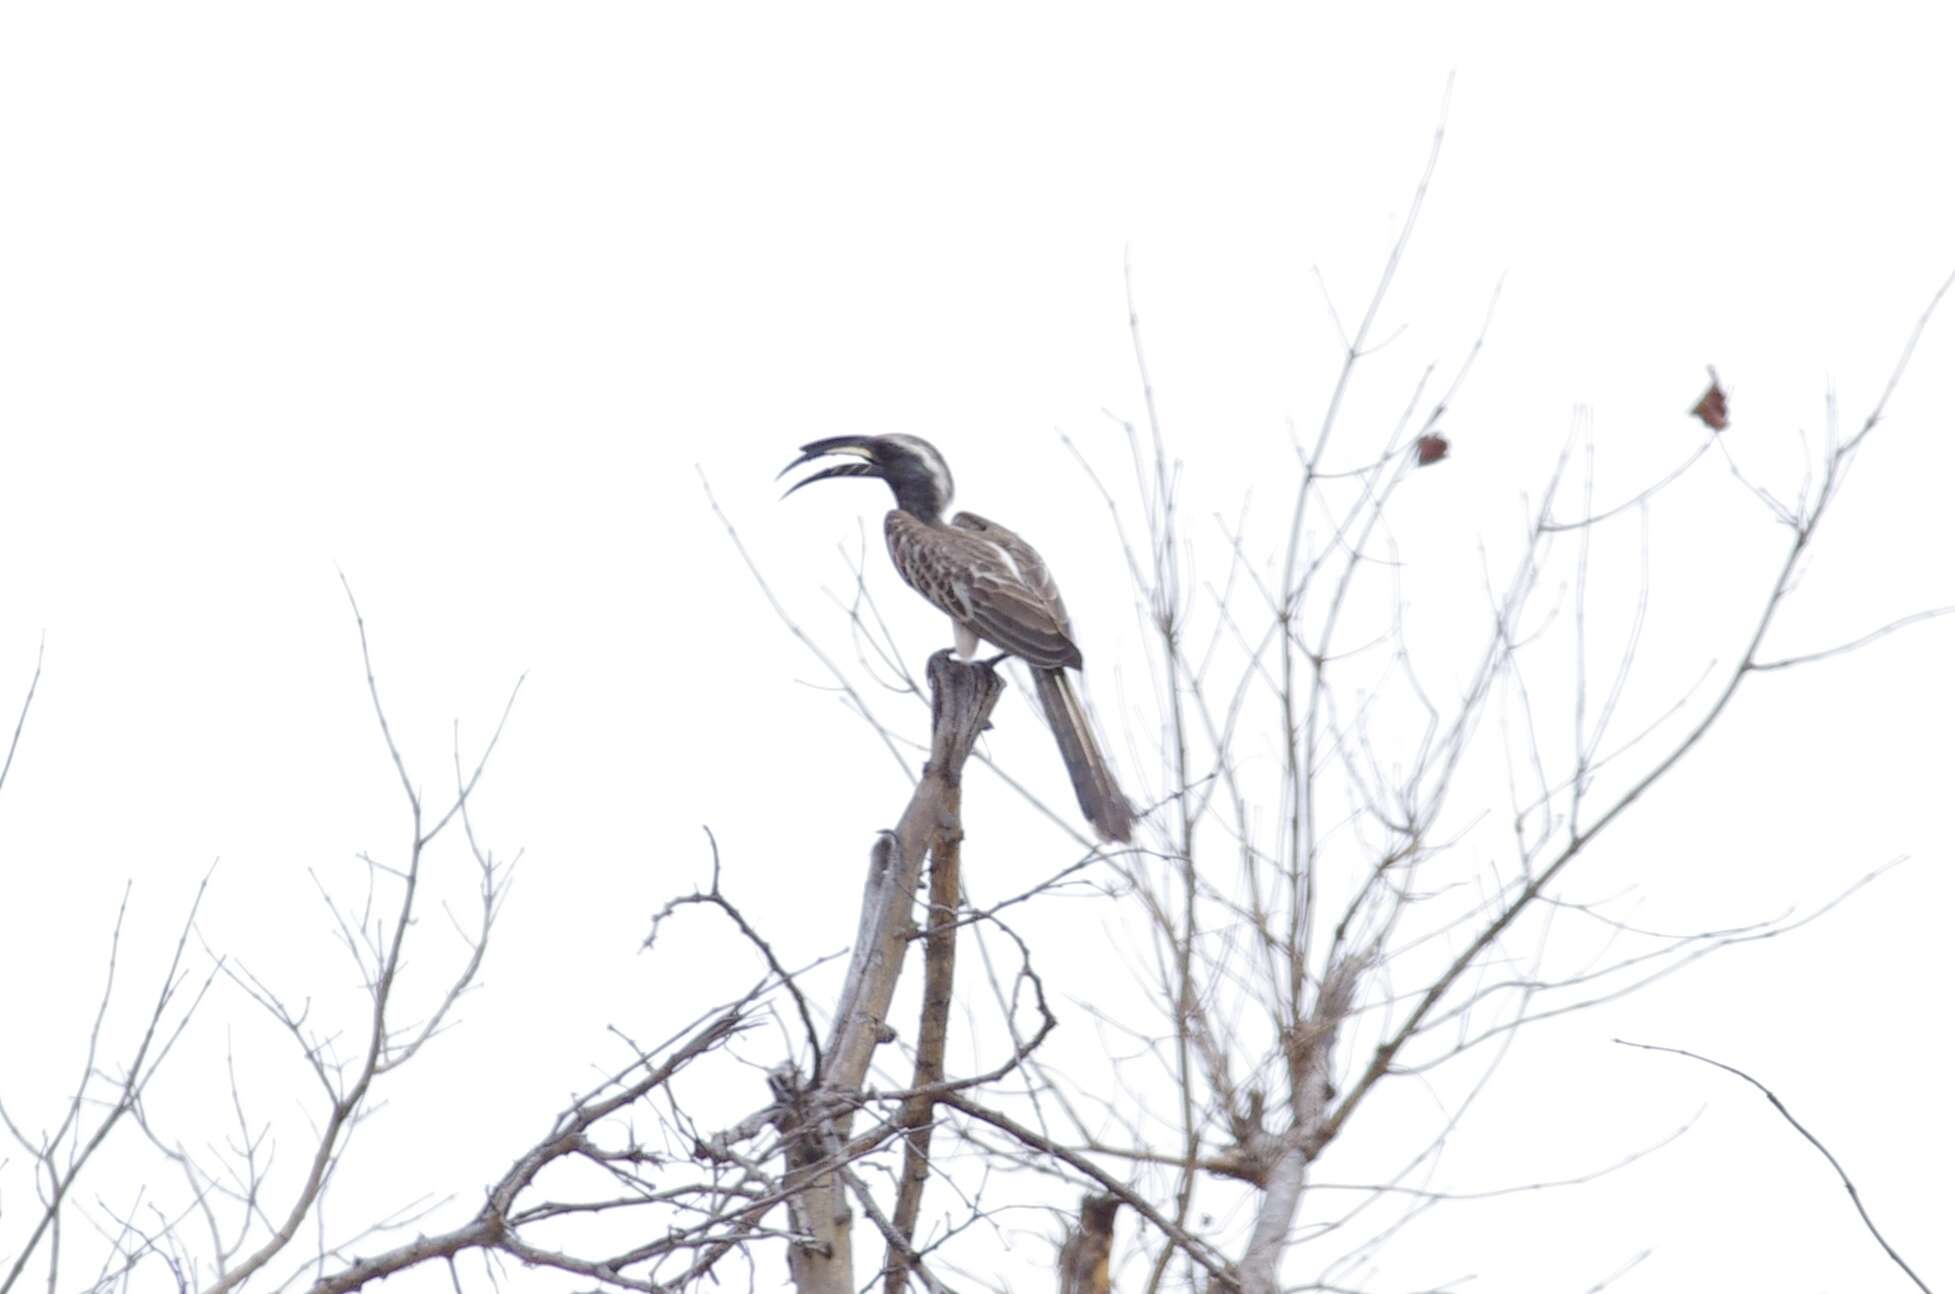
(1712,407)
(1431,448)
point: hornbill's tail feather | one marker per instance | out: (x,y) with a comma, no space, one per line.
(1100,798)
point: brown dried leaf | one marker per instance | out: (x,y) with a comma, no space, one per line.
(1712,407)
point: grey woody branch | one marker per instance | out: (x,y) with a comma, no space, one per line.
(962,700)
(105,1094)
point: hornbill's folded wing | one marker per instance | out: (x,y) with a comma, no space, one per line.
(970,578)
(1032,569)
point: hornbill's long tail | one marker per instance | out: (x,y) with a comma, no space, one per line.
(1100,798)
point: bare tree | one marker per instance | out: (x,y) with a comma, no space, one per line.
(623,1187)
(1316,929)
(1315,909)
(231,1218)
(1320,915)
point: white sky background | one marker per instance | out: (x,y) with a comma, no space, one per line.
(456,298)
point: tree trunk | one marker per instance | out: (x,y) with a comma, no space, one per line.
(817,1122)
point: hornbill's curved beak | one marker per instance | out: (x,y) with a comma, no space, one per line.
(856,445)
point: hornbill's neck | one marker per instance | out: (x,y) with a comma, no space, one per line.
(917,476)
(921,499)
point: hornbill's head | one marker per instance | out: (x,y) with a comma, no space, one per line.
(916,472)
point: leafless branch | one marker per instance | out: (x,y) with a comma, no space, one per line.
(380,951)
(1919,616)
(62,1156)
(26,704)
(1851,1190)
(713,897)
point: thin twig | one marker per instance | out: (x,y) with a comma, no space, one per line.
(25,705)
(1789,661)
(1818,1145)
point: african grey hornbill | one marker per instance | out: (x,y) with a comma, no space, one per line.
(992,586)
